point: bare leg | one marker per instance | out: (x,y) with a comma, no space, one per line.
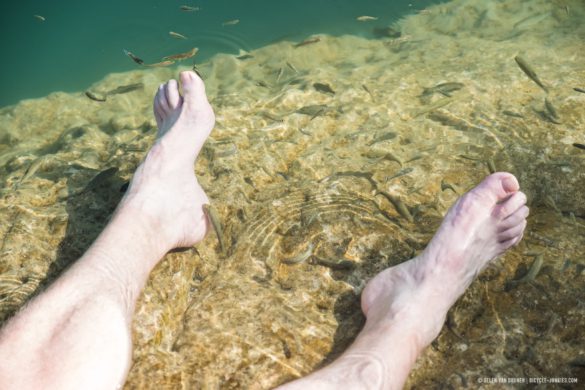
(76,334)
(406,305)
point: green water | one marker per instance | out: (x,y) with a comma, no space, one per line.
(80,42)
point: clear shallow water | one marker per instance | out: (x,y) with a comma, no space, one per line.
(80,42)
(289,163)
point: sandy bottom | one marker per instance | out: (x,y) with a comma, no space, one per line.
(345,181)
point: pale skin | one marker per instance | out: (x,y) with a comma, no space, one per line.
(76,334)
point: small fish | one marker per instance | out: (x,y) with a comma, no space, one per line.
(567,263)
(33,168)
(231,22)
(550,202)
(366,18)
(301,257)
(529,72)
(125,89)
(472,158)
(534,268)
(451,325)
(160,64)
(386,32)
(213,216)
(182,56)
(398,205)
(177,35)
(270,116)
(443,88)
(391,157)
(134,58)
(401,172)
(364,175)
(579,89)
(188,8)
(286,350)
(325,88)
(307,42)
(550,112)
(313,110)
(294,69)
(544,240)
(433,106)
(398,41)
(197,71)
(447,186)
(39,18)
(579,146)
(513,114)
(384,137)
(417,156)
(342,264)
(230,151)
(245,56)
(308,216)
(368,91)
(280,73)
(95,96)
(530,21)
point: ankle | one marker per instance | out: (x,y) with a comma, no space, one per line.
(416,322)
(139,214)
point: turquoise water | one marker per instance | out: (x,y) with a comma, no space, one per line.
(80,42)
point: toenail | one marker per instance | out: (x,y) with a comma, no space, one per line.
(509,184)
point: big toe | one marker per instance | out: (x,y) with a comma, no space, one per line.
(499,186)
(193,88)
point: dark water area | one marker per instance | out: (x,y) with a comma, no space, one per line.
(80,42)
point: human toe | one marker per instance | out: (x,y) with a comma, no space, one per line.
(193,87)
(509,182)
(499,185)
(510,205)
(161,101)
(159,113)
(172,94)
(513,232)
(514,219)
(511,242)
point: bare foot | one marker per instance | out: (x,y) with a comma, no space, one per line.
(164,187)
(481,225)
(406,305)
